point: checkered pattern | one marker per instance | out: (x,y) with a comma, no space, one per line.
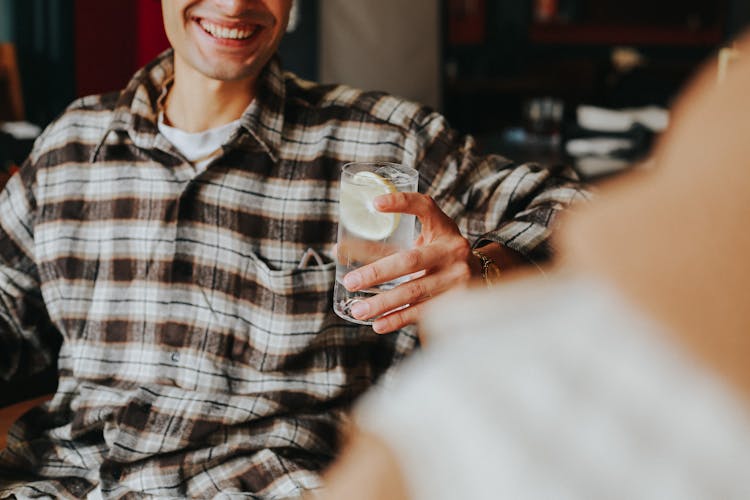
(196,355)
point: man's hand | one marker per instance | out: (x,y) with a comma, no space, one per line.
(442,257)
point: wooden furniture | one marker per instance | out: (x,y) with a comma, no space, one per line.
(12,413)
(4,176)
(12,109)
(11,98)
(568,54)
(19,396)
(667,23)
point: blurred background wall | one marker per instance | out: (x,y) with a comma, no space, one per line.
(475,60)
(6,24)
(43,32)
(388,45)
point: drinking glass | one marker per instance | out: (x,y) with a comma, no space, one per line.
(543,122)
(365,234)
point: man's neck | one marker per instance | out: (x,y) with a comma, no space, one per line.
(196,103)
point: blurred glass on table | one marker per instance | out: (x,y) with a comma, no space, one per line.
(542,120)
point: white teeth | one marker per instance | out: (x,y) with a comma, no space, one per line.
(222,32)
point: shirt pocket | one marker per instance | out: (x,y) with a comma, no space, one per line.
(284,319)
(313,274)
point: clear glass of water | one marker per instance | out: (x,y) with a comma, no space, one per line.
(365,234)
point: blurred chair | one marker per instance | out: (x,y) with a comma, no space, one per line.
(11,103)
(10,414)
(11,98)
(15,398)
(19,396)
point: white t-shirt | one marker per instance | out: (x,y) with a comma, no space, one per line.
(558,390)
(198,148)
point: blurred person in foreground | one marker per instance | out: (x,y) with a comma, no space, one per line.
(171,245)
(625,375)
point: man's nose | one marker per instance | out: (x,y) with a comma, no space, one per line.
(236,7)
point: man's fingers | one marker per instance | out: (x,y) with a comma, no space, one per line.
(412,292)
(398,319)
(423,206)
(395,266)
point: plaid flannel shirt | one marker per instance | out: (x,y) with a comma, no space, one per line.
(197,351)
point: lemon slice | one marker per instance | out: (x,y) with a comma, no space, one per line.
(358,214)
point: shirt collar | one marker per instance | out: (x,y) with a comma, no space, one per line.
(137,109)
(264,118)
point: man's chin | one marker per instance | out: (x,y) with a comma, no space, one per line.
(233,76)
(231,73)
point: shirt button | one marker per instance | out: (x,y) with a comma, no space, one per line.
(176,357)
(77,489)
(183,270)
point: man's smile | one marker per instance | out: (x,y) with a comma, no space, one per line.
(234,31)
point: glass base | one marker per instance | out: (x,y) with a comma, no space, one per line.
(344,300)
(343,307)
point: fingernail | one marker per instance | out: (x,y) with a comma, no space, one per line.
(380,201)
(352,281)
(360,310)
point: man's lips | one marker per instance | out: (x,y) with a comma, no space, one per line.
(227,31)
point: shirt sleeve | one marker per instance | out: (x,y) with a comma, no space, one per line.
(522,405)
(28,341)
(491,198)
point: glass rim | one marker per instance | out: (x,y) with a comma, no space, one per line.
(408,171)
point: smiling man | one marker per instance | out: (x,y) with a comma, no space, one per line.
(169,246)
(220,49)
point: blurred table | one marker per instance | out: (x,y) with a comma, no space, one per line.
(516,144)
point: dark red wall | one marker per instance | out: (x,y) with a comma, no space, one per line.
(114,38)
(151,37)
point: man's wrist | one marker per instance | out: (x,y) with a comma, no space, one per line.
(505,259)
